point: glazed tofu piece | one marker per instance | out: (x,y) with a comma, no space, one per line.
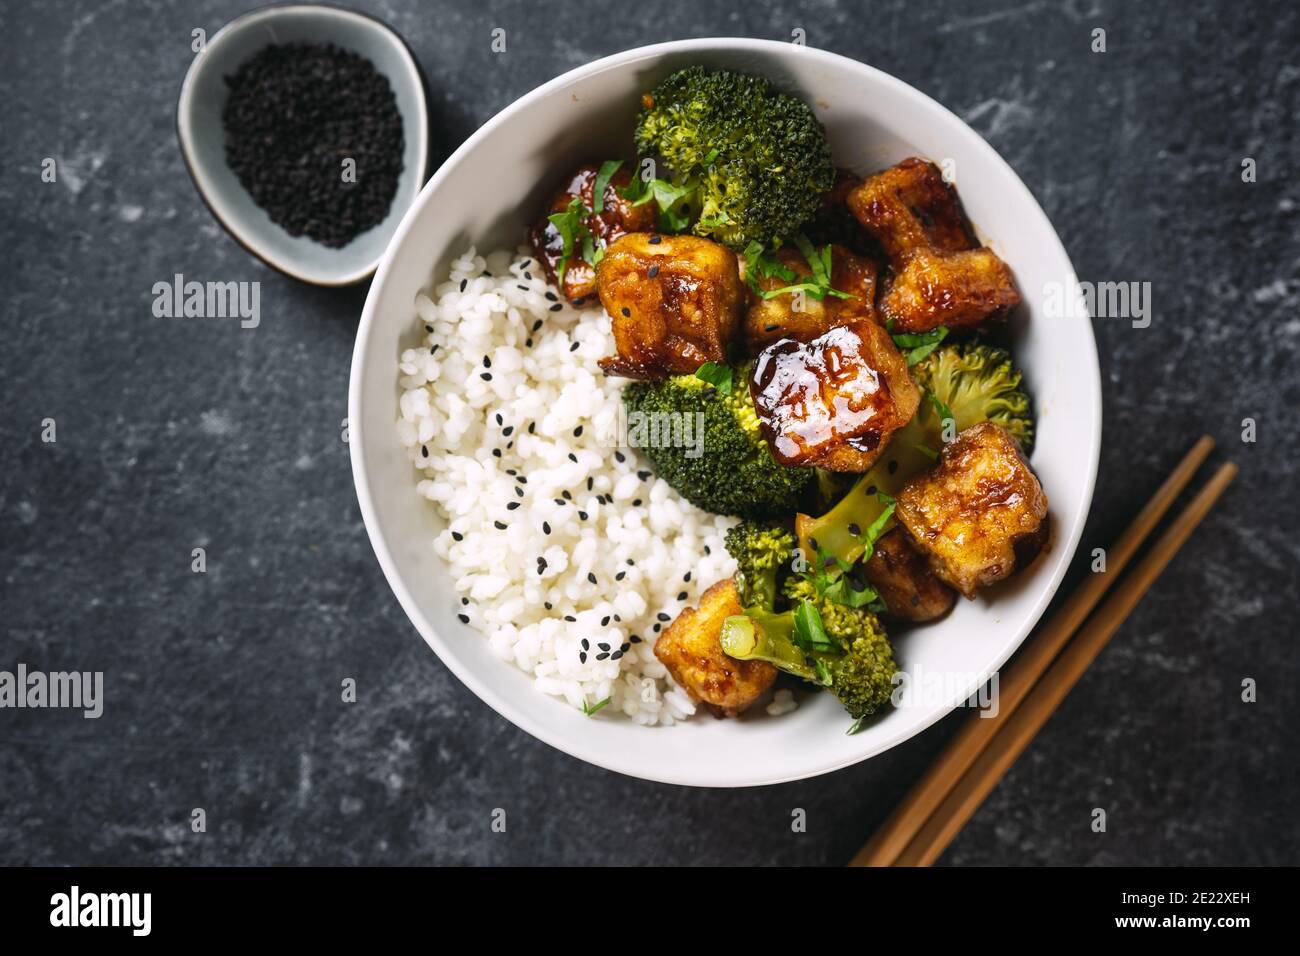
(939,275)
(691,651)
(791,316)
(980,514)
(835,224)
(675,302)
(902,576)
(834,401)
(616,218)
(953,289)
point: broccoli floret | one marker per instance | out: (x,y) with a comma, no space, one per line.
(972,381)
(842,648)
(761,551)
(726,467)
(759,157)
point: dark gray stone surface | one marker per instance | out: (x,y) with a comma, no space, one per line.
(224,688)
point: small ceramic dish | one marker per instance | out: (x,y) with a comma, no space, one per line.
(202,139)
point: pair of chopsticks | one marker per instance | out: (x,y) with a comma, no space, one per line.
(1030,690)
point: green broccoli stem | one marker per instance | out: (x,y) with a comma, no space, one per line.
(759,635)
(839,531)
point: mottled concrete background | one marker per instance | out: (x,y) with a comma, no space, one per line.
(224,687)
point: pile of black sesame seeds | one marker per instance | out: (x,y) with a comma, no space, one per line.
(296,114)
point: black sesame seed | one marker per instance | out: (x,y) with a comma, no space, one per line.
(528,343)
(510,444)
(620,457)
(582,657)
(577,432)
(620,576)
(586,644)
(557,307)
(500,420)
(463,283)
(433,349)
(854,529)
(635,639)
(546,527)
(580,300)
(520,285)
(707,549)
(574,347)
(464,618)
(532,428)
(519,491)
(512,505)
(550,297)
(464,600)
(629,563)
(428,328)
(617,618)
(565,494)
(627,313)
(590,481)
(500,525)
(573,458)
(424,451)
(560,502)
(625,647)
(871,489)
(582,515)
(548,605)
(770,328)
(508,431)
(486,376)
(488,274)
(636,502)
(457,536)
(616,655)
(653,271)
(603,646)
(893,467)
(681,596)
(663,617)
(591,577)
(601,656)
(571,619)
(528,275)
(812,542)
(687,577)
(487,362)
(916,599)
(538,324)
(496,452)
(657,628)
(655,240)
(604,621)
(643,475)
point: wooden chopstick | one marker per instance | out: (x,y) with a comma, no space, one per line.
(1010,741)
(974,735)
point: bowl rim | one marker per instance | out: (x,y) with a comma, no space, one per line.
(504,706)
(185,134)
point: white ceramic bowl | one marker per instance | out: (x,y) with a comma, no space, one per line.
(198,126)
(486,193)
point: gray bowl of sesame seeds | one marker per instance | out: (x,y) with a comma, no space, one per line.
(305,130)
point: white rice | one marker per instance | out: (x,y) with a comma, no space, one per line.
(449,408)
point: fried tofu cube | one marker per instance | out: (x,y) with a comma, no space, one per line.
(908,207)
(953,289)
(617,218)
(980,514)
(691,650)
(939,275)
(902,577)
(833,402)
(675,302)
(795,316)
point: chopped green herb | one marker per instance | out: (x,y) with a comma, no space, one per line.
(877,527)
(918,345)
(809,632)
(942,410)
(857,725)
(603,175)
(759,264)
(717,375)
(589,710)
(927,451)
(818,285)
(571,224)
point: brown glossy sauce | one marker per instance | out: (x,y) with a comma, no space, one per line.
(811,397)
